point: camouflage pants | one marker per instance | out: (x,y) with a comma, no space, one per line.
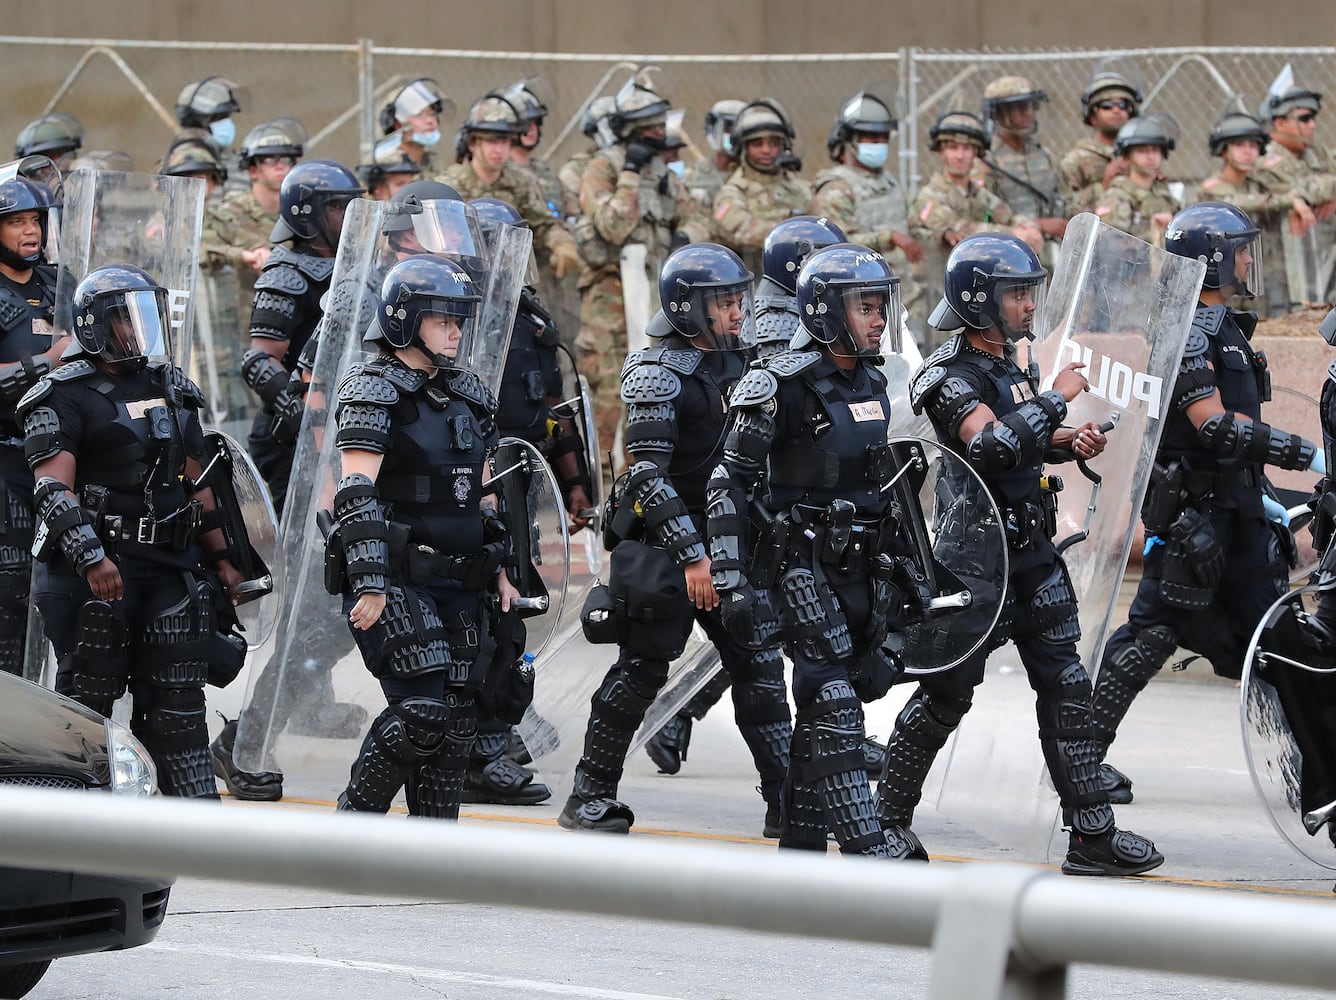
(600,351)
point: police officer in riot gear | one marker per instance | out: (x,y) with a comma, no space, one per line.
(988,410)
(58,135)
(210,104)
(416,569)
(675,393)
(27,302)
(115,443)
(814,421)
(1213,564)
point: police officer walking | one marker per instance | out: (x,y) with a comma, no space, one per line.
(1214,564)
(988,410)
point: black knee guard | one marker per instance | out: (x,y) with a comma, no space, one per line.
(1066,736)
(835,768)
(100,664)
(15,580)
(616,712)
(413,640)
(400,737)
(762,713)
(708,696)
(921,730)
(1126,669)
(811,618)
(1051,611)
(802,816)
(437,782)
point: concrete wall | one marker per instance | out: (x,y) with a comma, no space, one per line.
(704,26)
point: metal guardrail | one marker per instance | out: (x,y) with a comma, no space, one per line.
(995,931)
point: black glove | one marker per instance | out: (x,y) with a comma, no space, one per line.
(748,618)
(637,155)
(288,408)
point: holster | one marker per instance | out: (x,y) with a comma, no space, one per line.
(1050,487)
(1164,497)
(770,545)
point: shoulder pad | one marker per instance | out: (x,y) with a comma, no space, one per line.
(191,394)
(363,384)
(947,352)
(1196,345)
(1207,320)
(787,364)
(315,268)
(288,280)
(649,382)
(755,387)
(467,386)
(70,371)
(684,361)
(13,309)
(923,382)
(397,374)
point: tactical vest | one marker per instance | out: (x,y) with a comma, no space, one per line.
(305,277)
(840,451)
(529,378)
(17,338)
(657,200)
(878,202)
(1035,168)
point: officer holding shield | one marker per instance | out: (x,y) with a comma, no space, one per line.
(987,409)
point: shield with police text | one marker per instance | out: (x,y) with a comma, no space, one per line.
(1288,714)
(1310,264)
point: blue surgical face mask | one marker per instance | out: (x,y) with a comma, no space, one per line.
(872,154)
(679,168)
(427,139)
(223,131)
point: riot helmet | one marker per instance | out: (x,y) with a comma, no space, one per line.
(759,119)
(210,104)
(863,115)
(957,126)
(848,299)
(1219,234)
(54,135)
(120,315)
(719,126)
(1236,126)
(1112,80)
(311,202)
(1280,103)
(193,153)
(431,217)
(494,114)
(281,137)
(413,98)
(705,293)
(392,175)
(493,214)
(431,289)
(791,242)
(594,122)
(1008,92)
(992,280)
(1158,130)
(637,106)
(532,108)
(19,194)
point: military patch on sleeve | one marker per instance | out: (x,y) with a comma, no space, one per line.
(1271,160)
(722,210)
(1103,210)
(927,211)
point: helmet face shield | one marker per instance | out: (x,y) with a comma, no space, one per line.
(866,318)
(417,97)
(444,227)
(1245,252)
(722,318)
(135,326)
(1017,305)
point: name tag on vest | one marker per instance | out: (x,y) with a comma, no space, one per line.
(870,410)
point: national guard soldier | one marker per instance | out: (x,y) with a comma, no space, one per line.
(953,203)
(193,154)
(1240,140)
(383,180)
(765,188)
(115,443)
(411,124)
(1139,201)
(861,196)
(707,175)
(1019,169)
(533,112)
(57,135)
(989,410)
(237,228)
(676,394)
(627,195)
(27,352)
(1110,98)
(418,618)
(1213,563)
(814,422)
(594,127)
(210,104)
(287,309)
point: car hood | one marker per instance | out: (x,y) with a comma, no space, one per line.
(42,732)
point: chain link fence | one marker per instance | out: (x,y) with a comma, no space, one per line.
(124,91)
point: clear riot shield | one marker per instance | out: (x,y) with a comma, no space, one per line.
(1124,309)
(1310,264)
(1298,413)
(149,221)
(212,355)
(899,367)
(1288,714)
(509,249)
(578,407)
(531,504)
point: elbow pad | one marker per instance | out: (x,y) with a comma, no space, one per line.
(363,534)
(1019,438)
(1254,441)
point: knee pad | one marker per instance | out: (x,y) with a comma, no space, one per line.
(1137,663)
(927,722)
(812,619)
(629,689)
(412,639)
(761,700)
(1064,709)
(172,720)
(412,729)
(100,663)
(835,717)
(1052,610)
(178,640)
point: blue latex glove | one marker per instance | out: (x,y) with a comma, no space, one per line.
(1151,542)
(1275,510)
(1319,462)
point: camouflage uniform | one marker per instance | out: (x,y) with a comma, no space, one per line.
(704,180)
(869,206)
(1129,207)
(620,207)
(1312,177)
(232,224)
(569,176)
(516,186)
(942,205)
(1081,173)
(749,205)
(1269,208)
(1033,165)
(553,192)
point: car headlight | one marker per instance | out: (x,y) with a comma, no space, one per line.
(132,770)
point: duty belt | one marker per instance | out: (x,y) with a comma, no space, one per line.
(176,531)
(420,563)
(850,547)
